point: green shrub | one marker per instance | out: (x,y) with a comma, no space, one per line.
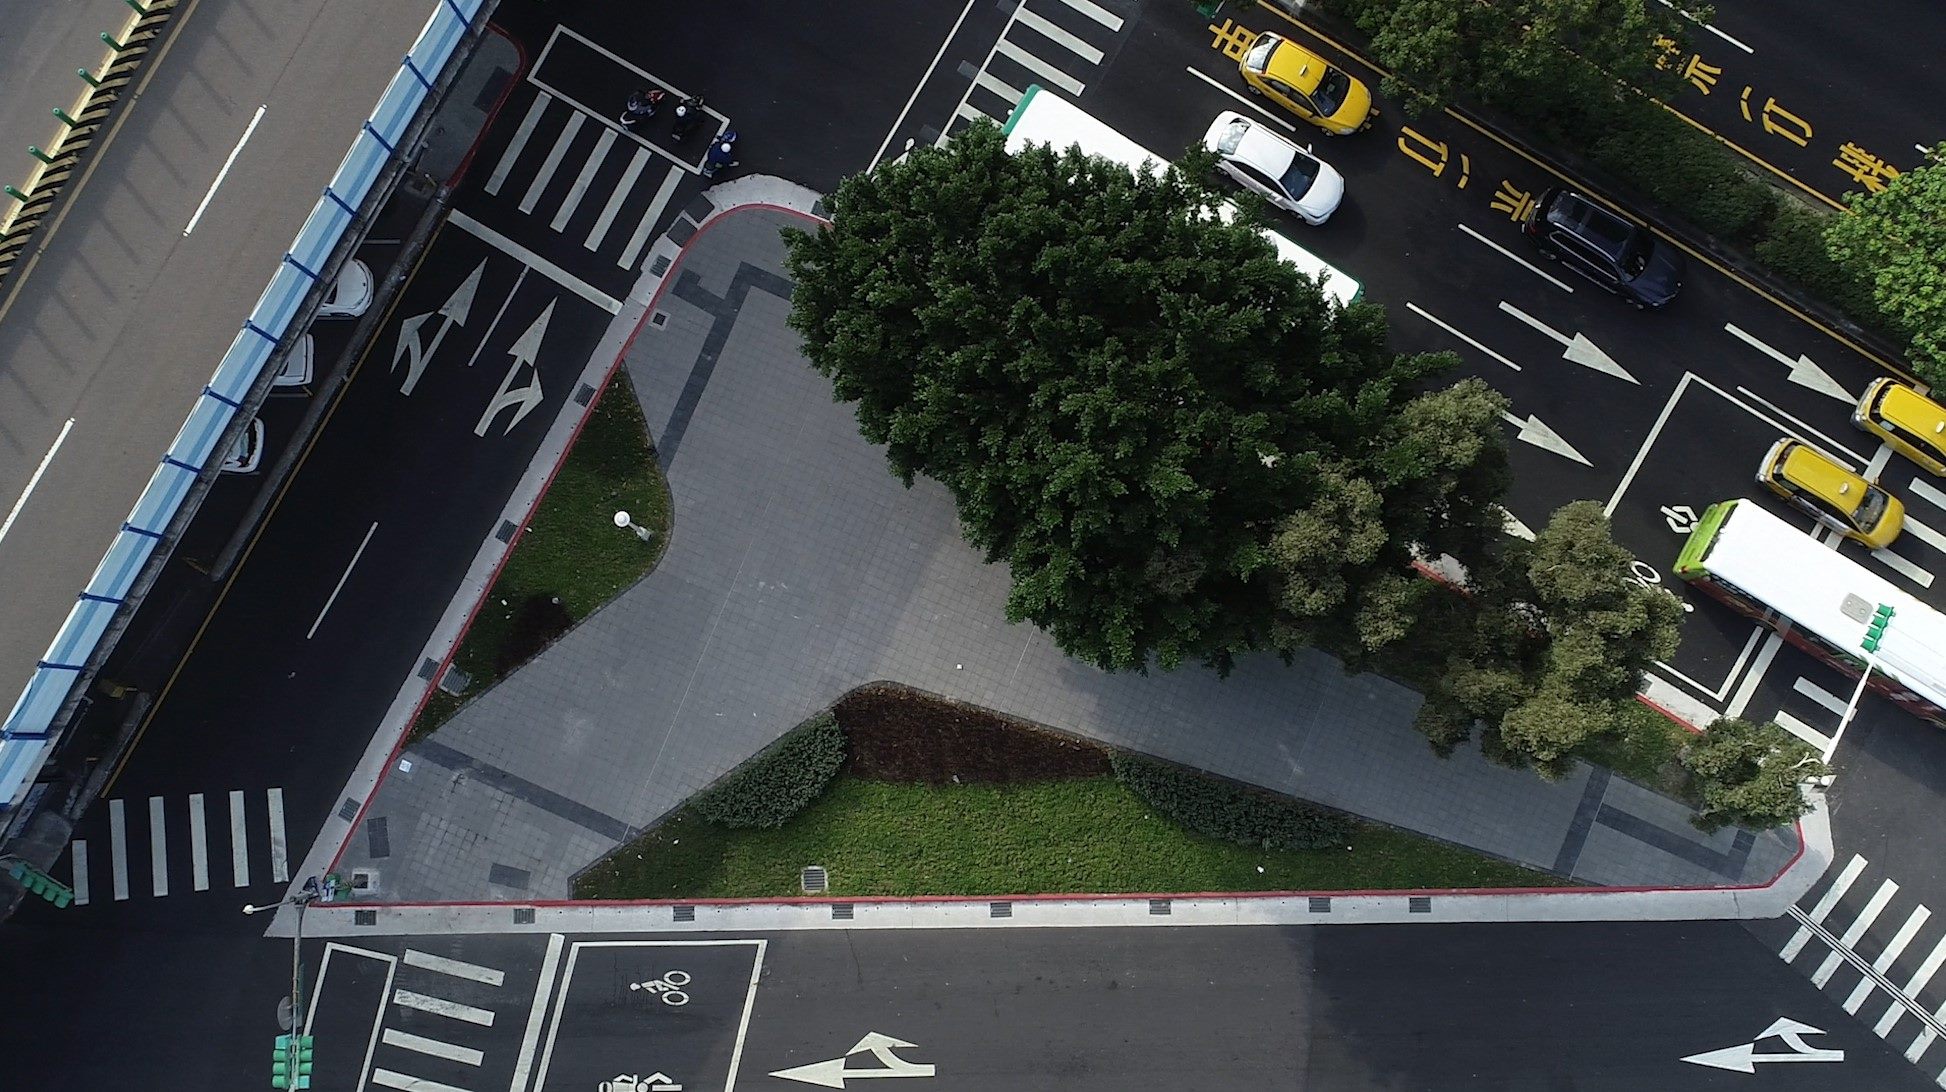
(1794,248)
(782,780)
(1233,812)
(1657,154)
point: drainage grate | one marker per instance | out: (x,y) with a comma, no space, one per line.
(429,668)
(508,528)
(685,913)
(814,879)
(1320,904)
(1001,910)
(364,917)
(659,319)
(1419,904)
(841,911)
(349,810)
(1159,907)
(660,266)
(523,915)
(455,681)
(584,395)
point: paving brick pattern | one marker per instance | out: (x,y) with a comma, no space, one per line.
(799,568)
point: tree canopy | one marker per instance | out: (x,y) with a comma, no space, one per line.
(1751,775)
(1895,241)
(1178,445)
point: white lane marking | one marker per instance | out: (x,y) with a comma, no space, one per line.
(453,967)
(580,188)
(526,130)
(1925,534)
(1819,694)
(439,1006)
(1530,266)
(1934,960)
(1100,15)
(280,862)
(1873,908)
(239,845)
(537,1015)
(1759,667)
(1253,103)
(1047,72)
(1903,567)
(1060,37)
(390,1079)
(1804,431)
(224,173)
(600,231)
(405,1040)
(924,78)
(749,1003)
(553,161)
(649,215)
(1579,350)
(1925,491)
(118,848)
(340,586)
(1424,314)
(1705,26)
(1803,371)
(1802,730)
(158,848)
(198,843)
(535,262)
(1892,952)
(79,881)
(1817,914)
(1006,91)
(14,512)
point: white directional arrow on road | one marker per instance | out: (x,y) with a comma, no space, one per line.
(526,349)
(453,311)
(1579,349)
(1803,371)
(1743,1058)
(1533,432)
(832,1074)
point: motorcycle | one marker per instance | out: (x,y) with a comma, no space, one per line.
(640,106)
(722,153)
(687,114)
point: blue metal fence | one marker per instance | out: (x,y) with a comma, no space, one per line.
(30,730)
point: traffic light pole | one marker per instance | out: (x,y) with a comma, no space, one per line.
(295,1047)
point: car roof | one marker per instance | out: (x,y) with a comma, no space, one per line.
(1590,221)
(1814,471)
(1915,413)
(1293,64)
(1260,147)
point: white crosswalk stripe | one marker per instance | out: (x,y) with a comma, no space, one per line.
(1055,43)
(439,982)
(158,848)
(439,1006)
(407,1041)
(118,847)
(164,867)
(456,968)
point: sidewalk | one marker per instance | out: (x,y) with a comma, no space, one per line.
(800,568)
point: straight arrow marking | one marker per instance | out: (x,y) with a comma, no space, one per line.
(1803,371)
(1579,349)
(1532,431)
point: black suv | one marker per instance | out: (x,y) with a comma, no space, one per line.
(1617,255)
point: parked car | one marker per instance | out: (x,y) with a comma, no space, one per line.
(1913,424)
(1830,494)
(1619,255)
(296,372)
(350,294)
(248,452)
(1263,161)
(1307,85)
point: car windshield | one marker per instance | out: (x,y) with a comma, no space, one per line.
(1304,171)
(1232,136)
(1331,91)
(1259,56)
(1871,509)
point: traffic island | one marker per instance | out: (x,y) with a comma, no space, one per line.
(898,793)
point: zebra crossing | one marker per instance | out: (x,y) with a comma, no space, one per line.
(249,828)
(1880,952)
(434,1005)
(1056,43)
(628,173)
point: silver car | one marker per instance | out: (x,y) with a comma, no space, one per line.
(1288,176)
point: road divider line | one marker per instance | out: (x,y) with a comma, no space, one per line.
(553,161)
(1529,266)
(1886,958)
(1802,730)
(1819,694)
(1903,567)
(439,1006)
(649,216)
(198,843)
(537,1015)
(1253,103)
(405,1040)
(158,847)
(225,172)
(535,262)
(1804,431)
(518,144)
(600,231)
(1759,667)
(21,502)
(581,181)
(456,968)
(340,586)
(239,844)
(1424,314)
(79,881)
(118,848)
(280,861)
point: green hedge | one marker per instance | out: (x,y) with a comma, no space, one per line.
(782,780)
(1228,810)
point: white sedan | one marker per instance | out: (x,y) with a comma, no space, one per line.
(1288,176)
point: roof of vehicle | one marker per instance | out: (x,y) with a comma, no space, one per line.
(1590,222)
(1914,413)
(1292,64)
(1813,471)
(1259,146)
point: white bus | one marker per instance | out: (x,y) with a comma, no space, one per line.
(1819,600)
(1046,118)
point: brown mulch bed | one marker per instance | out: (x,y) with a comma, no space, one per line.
(899,734)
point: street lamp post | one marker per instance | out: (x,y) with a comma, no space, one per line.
(623,521)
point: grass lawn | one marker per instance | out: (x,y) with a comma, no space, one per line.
(1086,835)
(572,549)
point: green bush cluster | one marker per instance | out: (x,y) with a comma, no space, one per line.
(782,780)
(1228,810)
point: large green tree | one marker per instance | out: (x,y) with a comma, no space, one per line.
(1895,241)
(1751,775)
(1180,448)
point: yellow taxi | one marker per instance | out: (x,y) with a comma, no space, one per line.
(1830,494)
(1305,84)
(1913,424)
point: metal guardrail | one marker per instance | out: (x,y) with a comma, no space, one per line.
(31,729)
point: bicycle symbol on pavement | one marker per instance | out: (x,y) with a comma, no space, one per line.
(668,987)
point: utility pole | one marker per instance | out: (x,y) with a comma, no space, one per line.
(291,1057)
(1874,634)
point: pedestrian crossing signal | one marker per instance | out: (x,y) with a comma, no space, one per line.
(290,1065)
(40,883)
